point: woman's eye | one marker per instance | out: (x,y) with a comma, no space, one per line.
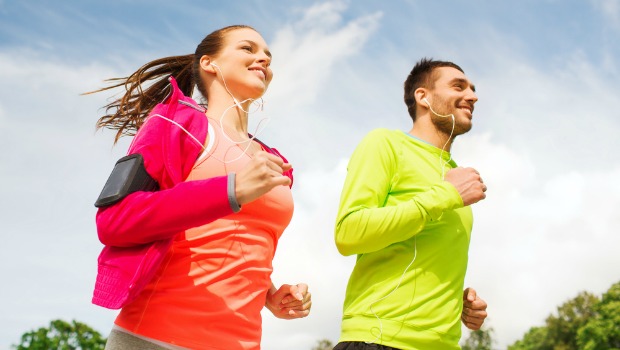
(247,48)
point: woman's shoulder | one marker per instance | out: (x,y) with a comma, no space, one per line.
(179,117)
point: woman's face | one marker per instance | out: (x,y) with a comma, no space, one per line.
(243,63)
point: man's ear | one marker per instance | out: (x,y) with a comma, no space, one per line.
(420,95)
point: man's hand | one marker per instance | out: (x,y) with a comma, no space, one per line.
(468,183)
(290,301)
(474,310)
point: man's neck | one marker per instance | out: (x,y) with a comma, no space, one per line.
(429,134)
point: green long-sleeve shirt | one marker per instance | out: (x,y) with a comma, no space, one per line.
(395,206)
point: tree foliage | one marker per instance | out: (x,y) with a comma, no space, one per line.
(602,332)
(534,339)
(585,322)
(62,335)
(479,340)
(572,315)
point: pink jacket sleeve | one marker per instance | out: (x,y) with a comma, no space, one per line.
(144,217)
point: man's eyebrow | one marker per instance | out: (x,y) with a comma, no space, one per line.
(267,52)
(464,82)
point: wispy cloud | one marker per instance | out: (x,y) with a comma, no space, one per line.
(610,9)
(310,47)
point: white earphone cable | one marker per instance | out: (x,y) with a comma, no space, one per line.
(259,106)
(442,163)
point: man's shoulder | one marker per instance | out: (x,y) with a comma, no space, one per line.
(383,133)
(380,141)
(383,136)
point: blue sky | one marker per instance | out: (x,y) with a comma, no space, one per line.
(544,139)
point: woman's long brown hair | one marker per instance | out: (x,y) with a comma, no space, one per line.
(149,85)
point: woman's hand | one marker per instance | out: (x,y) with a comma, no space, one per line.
(261,175)
(290,301)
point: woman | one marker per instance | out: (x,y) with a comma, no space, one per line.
(190,262)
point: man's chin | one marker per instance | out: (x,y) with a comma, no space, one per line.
(462,129)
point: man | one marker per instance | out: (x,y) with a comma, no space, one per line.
(405,211)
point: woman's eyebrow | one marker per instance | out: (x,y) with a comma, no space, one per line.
(267,52)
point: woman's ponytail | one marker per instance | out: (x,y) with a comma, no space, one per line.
(144,89)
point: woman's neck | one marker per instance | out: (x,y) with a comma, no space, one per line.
(223,108)
(231,117)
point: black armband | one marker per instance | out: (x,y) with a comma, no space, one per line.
(128,176)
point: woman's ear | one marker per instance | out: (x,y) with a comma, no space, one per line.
(205,64)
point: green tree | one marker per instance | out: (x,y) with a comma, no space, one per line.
(62,335)
(479,340)
(560,332)
(585,323)
(534,339)
(572,315)
(602,332)
(323,344)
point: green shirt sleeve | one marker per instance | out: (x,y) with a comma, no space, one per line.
(365,223)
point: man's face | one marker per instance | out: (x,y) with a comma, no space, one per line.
(452,94)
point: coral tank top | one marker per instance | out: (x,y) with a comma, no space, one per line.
(212,285)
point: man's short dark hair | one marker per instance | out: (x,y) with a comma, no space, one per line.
(422,76)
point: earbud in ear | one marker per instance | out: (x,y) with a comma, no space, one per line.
(427,103)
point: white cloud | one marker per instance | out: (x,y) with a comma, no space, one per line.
(532,237)
(500,167)
(323,15)
(308,50)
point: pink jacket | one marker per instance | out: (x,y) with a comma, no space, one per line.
(138,231)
